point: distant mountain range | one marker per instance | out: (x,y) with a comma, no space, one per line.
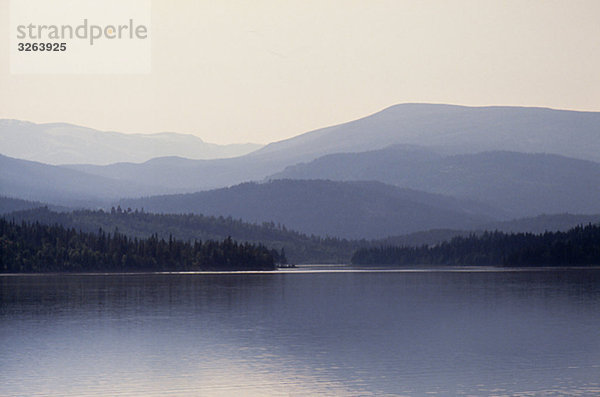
(298,247)
(51,184)
(325,208)
(445,129)
(516,184)
(452,129)
(450,166)
(521,184)
(61,143)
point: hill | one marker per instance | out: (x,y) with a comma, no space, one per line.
(535,225)
(39,248)
(35,181)
(62,143)
(342,209)
(523,184)
(579,246)
(8,204)
(298,247)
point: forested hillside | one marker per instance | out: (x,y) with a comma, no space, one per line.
(352,210)
(522,184)
(34,247)
(298,248)
(9,204)
(578,246)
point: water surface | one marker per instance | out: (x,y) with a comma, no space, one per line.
(302,332)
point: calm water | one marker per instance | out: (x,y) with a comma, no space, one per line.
(302,333)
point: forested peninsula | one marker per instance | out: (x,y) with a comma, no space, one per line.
(579,246)
(34,247)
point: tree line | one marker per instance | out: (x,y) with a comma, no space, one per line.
(298,247)
(577,246)
(36,247)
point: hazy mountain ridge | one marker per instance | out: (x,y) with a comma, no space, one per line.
(184,175)
(453,129)
(521,183)
(30,180)
(62,143)
(9,204)
(426,140)
(326,208)
(298,247)
(447,129)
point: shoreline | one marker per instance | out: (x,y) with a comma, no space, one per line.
(317,268)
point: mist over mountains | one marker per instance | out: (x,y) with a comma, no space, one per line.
(523,184)
(445,129)
(62,143)
(452,129)
(298,247)
(408,168)
(51,184)
(342,209)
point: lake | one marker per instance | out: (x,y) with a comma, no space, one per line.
(305,331)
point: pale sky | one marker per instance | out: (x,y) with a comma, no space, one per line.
(260,71)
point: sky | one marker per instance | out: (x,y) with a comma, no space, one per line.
(261,71)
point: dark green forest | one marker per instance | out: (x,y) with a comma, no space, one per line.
(35,247)
(579,246)
(298,247)
(469,248)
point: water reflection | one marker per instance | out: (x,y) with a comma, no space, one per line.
(406,333)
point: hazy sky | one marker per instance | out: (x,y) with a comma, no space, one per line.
(259,71)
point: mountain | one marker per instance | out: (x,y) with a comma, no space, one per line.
(445,129)
(30,180)
(453,129)
(425,132)
(186,175)
(61,143)
(325,208)
(522,184)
